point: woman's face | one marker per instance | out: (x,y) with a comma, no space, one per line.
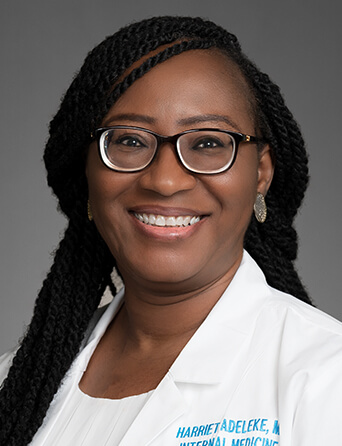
(196,89)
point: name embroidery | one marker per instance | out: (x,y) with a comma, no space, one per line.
(228,432)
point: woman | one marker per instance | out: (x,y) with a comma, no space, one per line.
(197,349)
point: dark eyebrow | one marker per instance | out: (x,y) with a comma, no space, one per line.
(144,119)
(130,117)
(208,118)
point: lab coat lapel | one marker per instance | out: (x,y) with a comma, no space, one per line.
(208,357)
(165,405)
(224,337)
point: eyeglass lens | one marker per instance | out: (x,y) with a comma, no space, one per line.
(132,149)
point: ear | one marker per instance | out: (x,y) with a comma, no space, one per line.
(265,169)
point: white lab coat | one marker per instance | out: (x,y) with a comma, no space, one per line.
(263,369)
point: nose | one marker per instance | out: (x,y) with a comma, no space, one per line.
(166,175)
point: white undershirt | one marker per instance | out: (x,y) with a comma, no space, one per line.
(88,421)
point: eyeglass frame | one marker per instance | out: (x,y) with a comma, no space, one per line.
(160,139)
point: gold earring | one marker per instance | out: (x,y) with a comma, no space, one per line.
(260,208)
(90,215)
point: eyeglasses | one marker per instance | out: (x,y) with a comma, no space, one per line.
(208,151)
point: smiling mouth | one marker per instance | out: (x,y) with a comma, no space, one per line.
(167,220)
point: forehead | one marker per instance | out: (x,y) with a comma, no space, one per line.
(192,83)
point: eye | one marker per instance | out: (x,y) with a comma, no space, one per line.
(207,142)
(129,141)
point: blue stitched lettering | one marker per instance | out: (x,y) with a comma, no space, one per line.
(201,430)
(263,423)
(255,425)
(216,428)
(250,426)
(187,433)
(276,427)
(194,431)
(231,426)
(180,432)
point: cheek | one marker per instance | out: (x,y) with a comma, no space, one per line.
(235,193)
(103,184)
(106,191)
(236,189)
(106,196)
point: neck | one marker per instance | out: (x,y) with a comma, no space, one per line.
(149,319)
(147,335)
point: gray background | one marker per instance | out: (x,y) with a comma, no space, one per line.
(44,42)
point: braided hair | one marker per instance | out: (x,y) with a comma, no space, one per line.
(83,263)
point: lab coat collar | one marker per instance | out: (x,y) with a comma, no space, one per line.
(217,343)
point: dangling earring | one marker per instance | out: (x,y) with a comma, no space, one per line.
(90,215)
(260,208)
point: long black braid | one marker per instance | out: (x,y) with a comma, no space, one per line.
(83,264)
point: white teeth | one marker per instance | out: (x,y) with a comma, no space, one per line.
(194,220)
(186,221)
(179,221)
(151,219)
(161,220)
(170,221)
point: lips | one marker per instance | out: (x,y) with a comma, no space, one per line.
(167,220)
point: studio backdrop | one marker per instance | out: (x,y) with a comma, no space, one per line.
(43,43)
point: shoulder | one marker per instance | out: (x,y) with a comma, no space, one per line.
(300,307)
(305,336)
(307,345)
(288,308)
(303,316)
(310,368)
(309,340)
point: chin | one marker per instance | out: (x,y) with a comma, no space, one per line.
(165,276)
